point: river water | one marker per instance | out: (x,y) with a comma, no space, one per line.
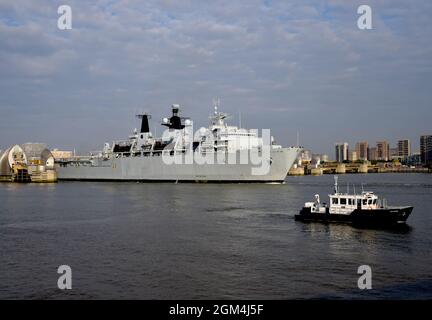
(208,241)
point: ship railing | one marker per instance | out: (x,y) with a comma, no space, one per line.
(342,210)
(382,203)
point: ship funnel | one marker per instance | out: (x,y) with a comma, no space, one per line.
(145,128)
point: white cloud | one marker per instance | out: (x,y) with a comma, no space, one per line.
(305,57)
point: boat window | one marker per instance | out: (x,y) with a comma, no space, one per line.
(350,201)
(375,201)
(343,201)
(370,201)
(364,202)
(334,201)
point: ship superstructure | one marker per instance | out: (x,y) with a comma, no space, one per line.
(218,153)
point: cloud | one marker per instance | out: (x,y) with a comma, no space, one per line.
(302,62)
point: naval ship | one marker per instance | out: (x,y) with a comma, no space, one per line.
(218,153)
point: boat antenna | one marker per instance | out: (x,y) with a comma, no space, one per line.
(362,187)
(298,139)
(336,187)
(347,188)
(354,189)
(216,104)
(240,119)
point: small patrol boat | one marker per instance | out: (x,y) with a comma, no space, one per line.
(358,209)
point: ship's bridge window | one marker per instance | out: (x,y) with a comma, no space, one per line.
(334,200)
(375,201)
(364,202)
(350,201)
(343,201)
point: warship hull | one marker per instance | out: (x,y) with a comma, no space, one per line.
(153,168)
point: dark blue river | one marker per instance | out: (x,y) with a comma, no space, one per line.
(208,241)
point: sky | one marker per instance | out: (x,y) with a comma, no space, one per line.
(290,66)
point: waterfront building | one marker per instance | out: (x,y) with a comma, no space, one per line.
(304,157)
(319,158)
(413,160)
(362,149)
(426,149)
(394,154)
(316,160)
(382,150)
(404,148)
(342,151)
(353,156)
(372,154)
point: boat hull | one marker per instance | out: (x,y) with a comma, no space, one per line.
(150,169)
(386,217)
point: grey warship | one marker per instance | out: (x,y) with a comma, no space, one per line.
(218,153)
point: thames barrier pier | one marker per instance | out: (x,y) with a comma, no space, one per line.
(342,168)
(29,162)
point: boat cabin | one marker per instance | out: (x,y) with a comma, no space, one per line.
(342,203)
(346,203)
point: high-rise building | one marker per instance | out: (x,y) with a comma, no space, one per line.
(372,154)
(353,156)
(362,149)
(404,148)
(394,154)
(306,155)
(341,151)
(382,150)
(426,149)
